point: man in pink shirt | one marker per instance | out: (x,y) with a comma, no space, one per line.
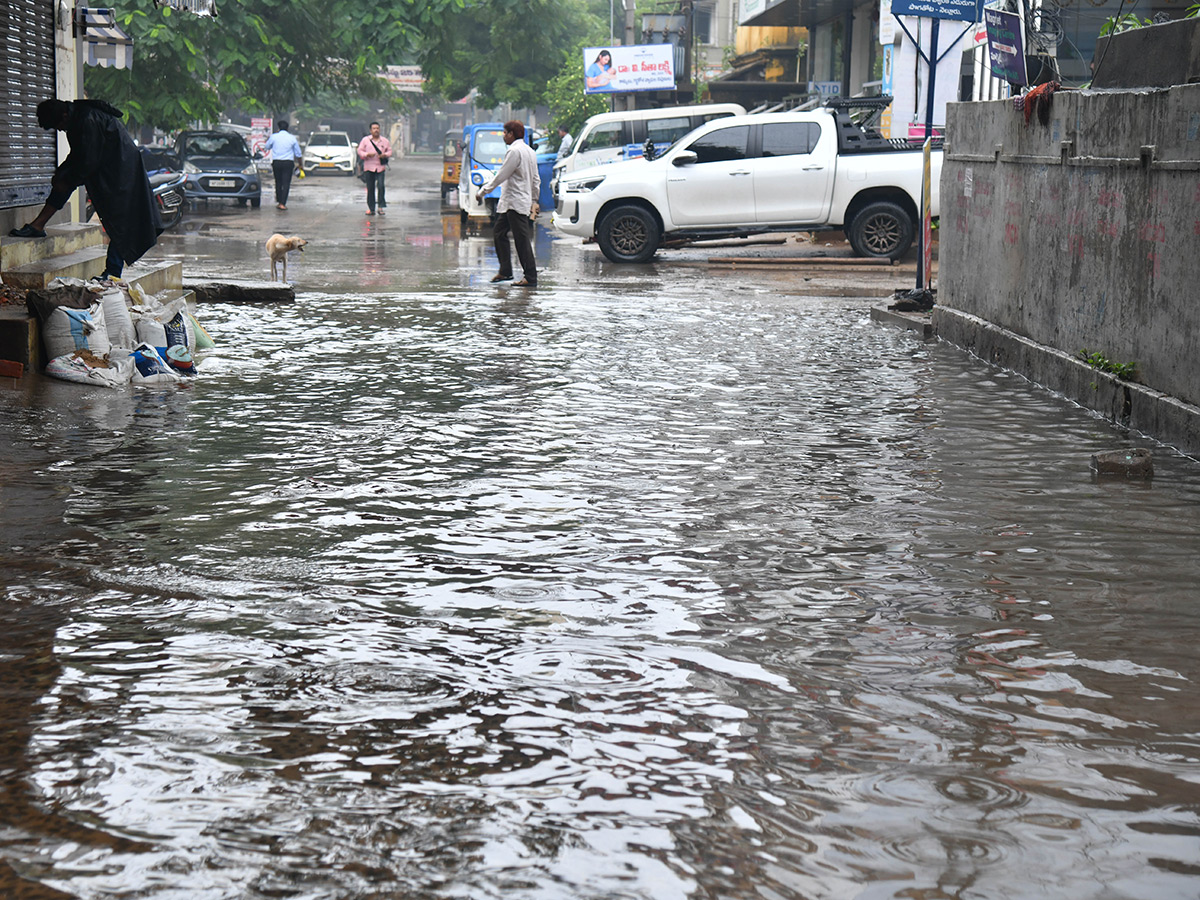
(375,151)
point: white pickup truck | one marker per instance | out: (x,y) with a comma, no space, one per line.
(754,174)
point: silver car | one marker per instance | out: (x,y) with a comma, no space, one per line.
(330,151)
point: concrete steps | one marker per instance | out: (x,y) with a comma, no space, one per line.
(67,251)
(83,264)
(60,240)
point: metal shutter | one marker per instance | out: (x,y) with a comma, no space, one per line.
(27,153)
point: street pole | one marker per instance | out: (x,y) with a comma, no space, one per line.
(933,64)
(630,40)
(924,237)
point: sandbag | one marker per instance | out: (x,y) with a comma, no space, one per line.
(117,320)
(72,293)
(67,330)
(166,326)
(83,367)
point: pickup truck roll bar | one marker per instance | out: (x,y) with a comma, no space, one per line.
(861,134)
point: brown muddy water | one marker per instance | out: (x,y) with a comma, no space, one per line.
(647,584)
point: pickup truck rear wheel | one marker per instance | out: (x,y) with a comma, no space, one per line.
(881,230)
(628,234)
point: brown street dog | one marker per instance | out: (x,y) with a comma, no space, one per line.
(278,248)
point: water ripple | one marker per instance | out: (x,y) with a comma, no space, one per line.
(706,592)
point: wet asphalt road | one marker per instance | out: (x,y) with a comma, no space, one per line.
(420,242)
(656,583)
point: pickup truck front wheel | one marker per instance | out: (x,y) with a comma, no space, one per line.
(881,230)
(628,234)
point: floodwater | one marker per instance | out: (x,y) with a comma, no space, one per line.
(653,583)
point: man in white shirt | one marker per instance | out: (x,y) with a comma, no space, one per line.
(285,153)
(565,142)
(517,209)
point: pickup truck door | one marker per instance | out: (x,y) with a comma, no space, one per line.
(717,189)
(793,176)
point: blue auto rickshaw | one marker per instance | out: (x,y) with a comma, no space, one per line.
(482,154)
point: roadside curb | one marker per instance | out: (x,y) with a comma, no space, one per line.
(1126,404)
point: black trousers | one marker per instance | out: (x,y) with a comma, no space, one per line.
(283,169)
(521,227)
(375,192)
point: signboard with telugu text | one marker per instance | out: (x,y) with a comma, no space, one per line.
(959,10)
(1006,50)
(641,67)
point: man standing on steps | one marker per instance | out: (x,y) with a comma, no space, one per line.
(285,159)
(105,160)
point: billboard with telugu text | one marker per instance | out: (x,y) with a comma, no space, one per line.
(642,67)
(405,78)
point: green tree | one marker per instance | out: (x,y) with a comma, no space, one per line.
(569,105)
(271,55)
(508,50)
(258,54)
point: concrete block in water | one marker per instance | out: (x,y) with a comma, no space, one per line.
(1136,463)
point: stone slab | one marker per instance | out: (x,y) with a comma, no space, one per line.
(217,291)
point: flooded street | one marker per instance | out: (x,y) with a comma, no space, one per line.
(656,582)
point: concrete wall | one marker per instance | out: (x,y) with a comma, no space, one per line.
(1149,56)
(1081,233)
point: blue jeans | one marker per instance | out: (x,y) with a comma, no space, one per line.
(113,264)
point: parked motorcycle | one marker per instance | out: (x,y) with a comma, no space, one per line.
(168,194)
(167,188)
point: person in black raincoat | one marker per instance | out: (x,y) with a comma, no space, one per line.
(103,158)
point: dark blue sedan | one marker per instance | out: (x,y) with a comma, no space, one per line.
(219,166)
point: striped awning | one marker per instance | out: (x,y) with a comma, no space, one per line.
(105,44)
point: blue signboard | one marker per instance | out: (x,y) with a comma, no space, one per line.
(959,10)
(1006,52)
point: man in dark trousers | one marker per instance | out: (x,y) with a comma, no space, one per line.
(105,160)
(285,160)
(518,208)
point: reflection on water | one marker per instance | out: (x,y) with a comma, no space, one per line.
(594,593)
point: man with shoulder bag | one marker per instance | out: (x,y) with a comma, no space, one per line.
(375,151)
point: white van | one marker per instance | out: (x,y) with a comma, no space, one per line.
(609,137)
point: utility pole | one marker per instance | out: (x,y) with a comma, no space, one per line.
(627,101)
(689,38)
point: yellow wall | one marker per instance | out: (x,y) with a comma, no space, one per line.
(750,38)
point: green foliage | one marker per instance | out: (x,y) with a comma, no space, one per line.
(257,55)
(1127,22)
(569,105)
(1102,363)
(277,55)
(508,50)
